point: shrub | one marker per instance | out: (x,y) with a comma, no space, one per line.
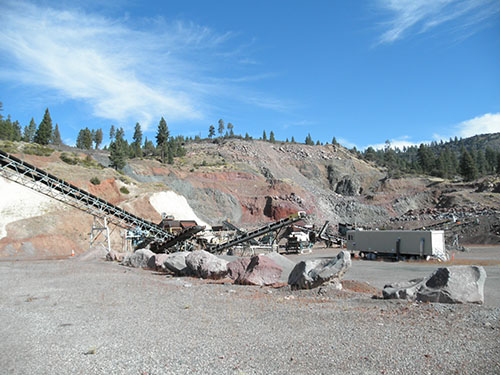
(68,159)
(39,150)
(8,147)
(124,190)
(95,181)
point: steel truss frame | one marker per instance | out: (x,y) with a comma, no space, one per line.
(38,180)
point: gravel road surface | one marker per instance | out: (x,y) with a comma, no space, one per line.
(96,317)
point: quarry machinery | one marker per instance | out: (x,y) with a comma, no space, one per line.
(239,231)
(247,236)
(104,213)
(322,234)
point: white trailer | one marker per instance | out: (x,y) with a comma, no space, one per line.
(397,243)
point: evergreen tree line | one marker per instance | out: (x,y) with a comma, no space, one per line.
(228,132)
(167,147)
(467,158)
(445,160)
(42,134)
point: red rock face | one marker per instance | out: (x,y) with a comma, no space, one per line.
(107,190)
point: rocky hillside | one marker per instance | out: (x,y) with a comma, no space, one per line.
(248,182)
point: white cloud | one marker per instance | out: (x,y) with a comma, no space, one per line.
(487,123)
(421,16)
(126,74)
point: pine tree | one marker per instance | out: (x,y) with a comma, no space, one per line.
(6,128)
(467,166)
(43,134)
(84,139)
(149,147)
(293,139)
(271,137)
(425,158)
(1,110)
(264,136)
(230,127)
(170,155)
(481,163)
(491,159)
(309,140)
(112,132)
(118,150)
(56,136)
(443,167)
(211,131)
(29,131)
(162,138)
(334,141)
(137,140)
(16,131)
(453,163)
(221,127)
(247,137)
(97,138)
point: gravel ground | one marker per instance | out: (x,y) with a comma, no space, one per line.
(94,317)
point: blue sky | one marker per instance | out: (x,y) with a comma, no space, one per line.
(362,71)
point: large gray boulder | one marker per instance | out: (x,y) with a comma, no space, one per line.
(138,259)
(206,265)
(310,274)
(260,271)
(456,284)
(176,263)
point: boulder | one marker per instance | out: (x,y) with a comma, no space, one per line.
(456,284)
(260,271)
(310,274)
(115,256)
(159,259)
(176,262)
(206,265)
(286,264)
(237,267)
(138,259)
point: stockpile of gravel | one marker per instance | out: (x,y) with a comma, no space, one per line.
(95,318)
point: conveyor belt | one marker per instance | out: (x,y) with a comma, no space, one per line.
(239,231)
(258,232)
(35,178)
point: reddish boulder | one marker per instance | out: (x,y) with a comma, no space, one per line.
(237,267)
(260,271)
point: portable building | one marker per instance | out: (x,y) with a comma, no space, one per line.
(398,243)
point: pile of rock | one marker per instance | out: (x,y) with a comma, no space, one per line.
(268,269)
(457,284)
